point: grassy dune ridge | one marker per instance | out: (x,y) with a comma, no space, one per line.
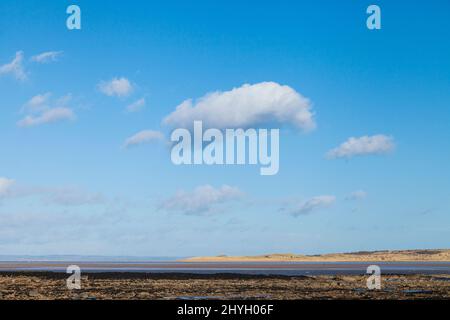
(384,255)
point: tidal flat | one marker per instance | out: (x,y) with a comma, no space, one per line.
(142,286)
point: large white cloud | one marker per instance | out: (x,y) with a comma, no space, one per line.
(312,204)
(366,145)
(246,106)
(116,87)
(142,137)
(202,200)
(47,57)
(15,67)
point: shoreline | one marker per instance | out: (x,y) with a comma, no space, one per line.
(425,255)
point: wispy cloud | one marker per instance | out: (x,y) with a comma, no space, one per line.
(15,67)
(366,145)
(48,116)
(74,197)
(116,87)
(136,106)
(62,196)
(42,111)
(47,57)
(145,136)
(203,200)
(248,105)
(5,186)
(312,205)
(357,195)
(38,103)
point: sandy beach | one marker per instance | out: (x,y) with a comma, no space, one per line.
(391,256)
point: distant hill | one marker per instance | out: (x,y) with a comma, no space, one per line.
(81,258)
(386,255)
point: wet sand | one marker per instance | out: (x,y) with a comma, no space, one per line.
(151,286)
(272,268)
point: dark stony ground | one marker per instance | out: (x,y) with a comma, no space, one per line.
(129,286)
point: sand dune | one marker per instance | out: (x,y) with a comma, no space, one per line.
(387,255)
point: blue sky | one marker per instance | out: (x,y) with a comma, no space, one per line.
(68,185)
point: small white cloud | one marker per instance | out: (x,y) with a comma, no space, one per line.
(41,110)
(378,144)
(15,67)
(117,87)
(246,106)
(202,200)
(136,106)
(357,195)
(5,186)
(142,137)
(48,116)
(313,204)
(46,57)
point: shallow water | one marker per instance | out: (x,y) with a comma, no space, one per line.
(250,268)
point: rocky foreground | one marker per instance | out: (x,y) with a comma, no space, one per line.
(128,286)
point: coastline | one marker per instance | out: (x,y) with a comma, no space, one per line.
(406,275)
(426,255)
